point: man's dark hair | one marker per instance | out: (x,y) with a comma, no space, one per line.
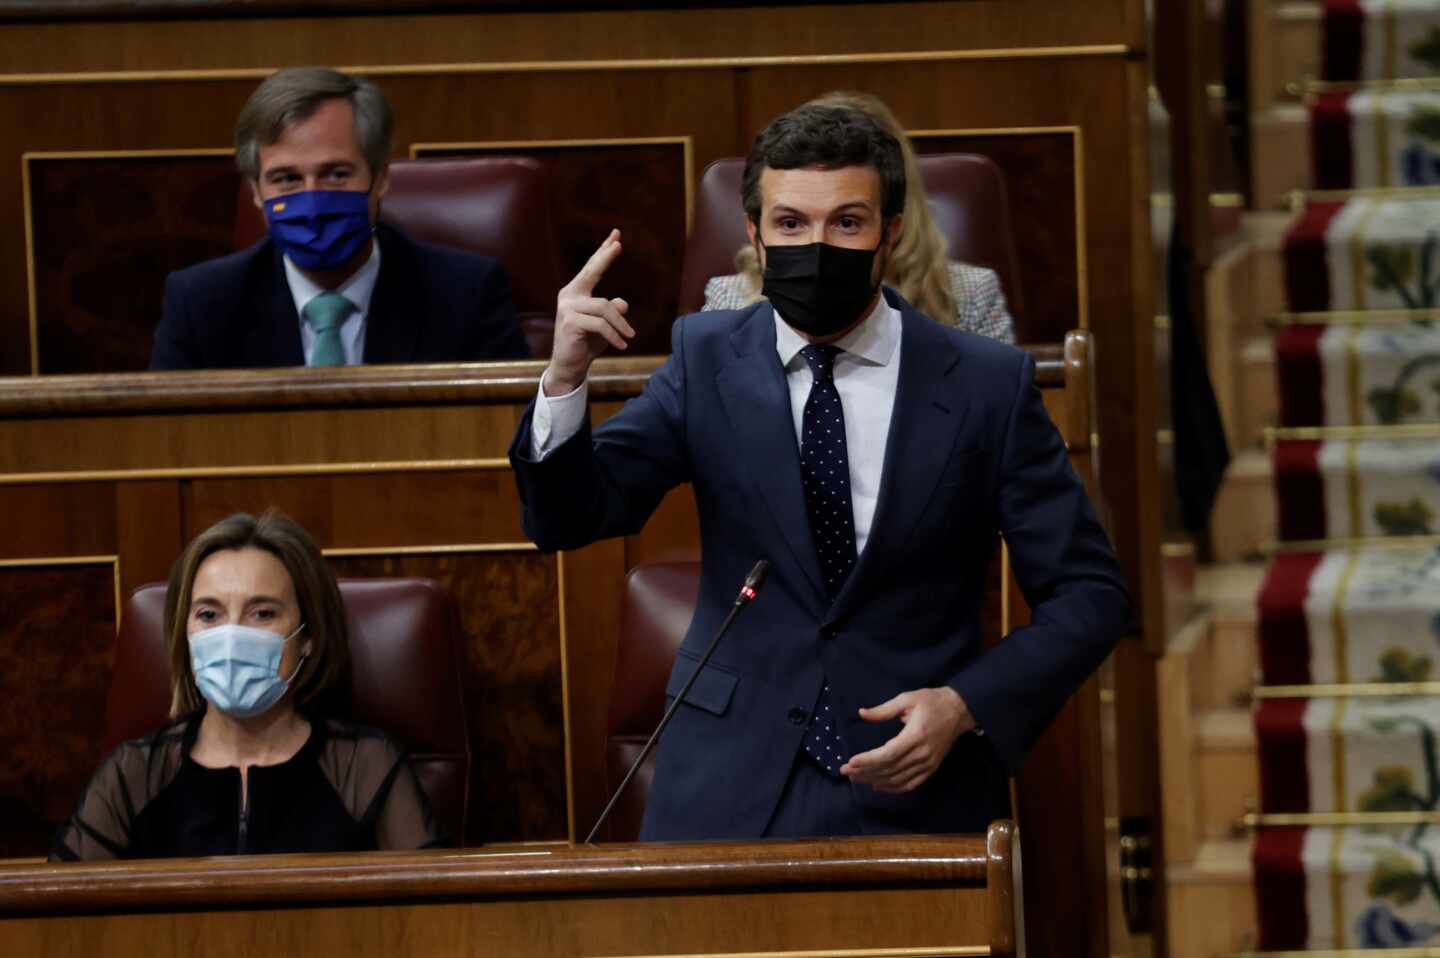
(293,95)
(830,137)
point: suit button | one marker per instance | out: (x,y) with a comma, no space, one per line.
(798,716)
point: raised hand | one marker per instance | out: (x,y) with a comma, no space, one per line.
(585,324)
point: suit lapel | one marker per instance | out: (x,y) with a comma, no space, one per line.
(273,338)
(757,401)
(923,430)
(392,327)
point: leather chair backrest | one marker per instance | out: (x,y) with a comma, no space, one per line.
(967,198)
(659,602)
(405,679)
(496,205)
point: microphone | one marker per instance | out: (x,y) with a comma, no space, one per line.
(747,594)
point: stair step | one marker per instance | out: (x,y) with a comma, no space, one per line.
(1230,662)
(1279,153)
(1259,397)
(1244,515)
(1285,48)
(1211,902)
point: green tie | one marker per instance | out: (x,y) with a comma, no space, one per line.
(325,313)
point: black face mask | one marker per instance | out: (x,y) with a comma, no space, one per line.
(819,289)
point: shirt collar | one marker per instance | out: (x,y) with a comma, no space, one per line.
(874,342)
(358,288)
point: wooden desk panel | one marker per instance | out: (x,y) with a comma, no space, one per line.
(904,896)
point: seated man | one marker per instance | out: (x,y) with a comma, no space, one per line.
(872,456)
(330,285)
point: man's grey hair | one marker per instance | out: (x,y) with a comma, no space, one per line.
(293,95)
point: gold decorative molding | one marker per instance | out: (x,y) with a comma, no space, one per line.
(1347,690)
(265,471)
(1255,820)
(25,160)
(468,548)
(1277,547)
(1077,145)
(1352,317)
(1418,430)
(1090,51)
(952,951)
(685,142)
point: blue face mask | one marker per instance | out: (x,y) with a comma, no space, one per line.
(237,668)
(320,229)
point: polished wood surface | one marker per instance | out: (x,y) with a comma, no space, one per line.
(912,896)
(114,396)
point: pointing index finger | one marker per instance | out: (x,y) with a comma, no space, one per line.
(589,276)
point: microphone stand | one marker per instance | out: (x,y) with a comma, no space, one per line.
(747,595)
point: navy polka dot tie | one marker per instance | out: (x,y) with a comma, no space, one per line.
(825,471)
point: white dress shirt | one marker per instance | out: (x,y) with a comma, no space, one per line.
(867,373)
(358,289)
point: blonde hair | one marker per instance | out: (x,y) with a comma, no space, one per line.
(324,676)
(919,266)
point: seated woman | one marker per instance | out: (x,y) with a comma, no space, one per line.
(259,648)
(920,269)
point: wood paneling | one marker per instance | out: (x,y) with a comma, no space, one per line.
(509,610)
(55,643)
(710,31)
(1040,177)
(105,232)
(640,189)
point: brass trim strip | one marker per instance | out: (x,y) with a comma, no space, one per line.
(1369,192)
(271,470)
(52,562)
(1255,820)
(1077,140)
(1083,51)
(685,142)
(1274,547)
(465,548)
(29,212)
(1343,953)
(1177,550)
(1352,690)
(565,695)
(1349,317)
(1414,430)
(1311,86)
(952,951)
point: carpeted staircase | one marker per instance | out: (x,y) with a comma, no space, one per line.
(1347,849)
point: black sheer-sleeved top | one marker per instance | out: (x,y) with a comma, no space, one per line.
(348,788)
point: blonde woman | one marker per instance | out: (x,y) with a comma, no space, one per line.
(944,289)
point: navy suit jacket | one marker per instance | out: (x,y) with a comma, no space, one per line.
(431,304)
(971,453)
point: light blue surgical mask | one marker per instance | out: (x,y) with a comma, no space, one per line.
(237,668)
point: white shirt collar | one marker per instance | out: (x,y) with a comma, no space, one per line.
(876,341)
(358,288)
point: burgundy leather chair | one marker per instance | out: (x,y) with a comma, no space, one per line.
(405,679)
(496,205)
(660,600)
(967,198)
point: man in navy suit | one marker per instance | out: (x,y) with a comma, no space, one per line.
(872,456)
(327,286)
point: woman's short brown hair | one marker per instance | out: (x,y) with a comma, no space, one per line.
(324,676)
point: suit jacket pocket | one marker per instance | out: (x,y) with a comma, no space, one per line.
(712,689)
